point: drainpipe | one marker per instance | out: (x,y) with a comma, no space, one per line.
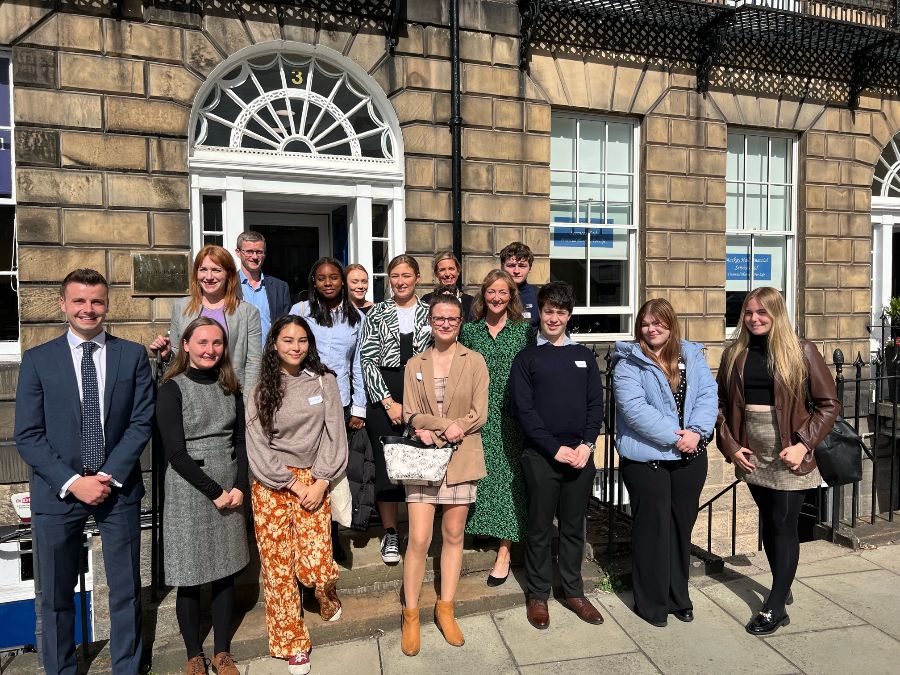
(455,131)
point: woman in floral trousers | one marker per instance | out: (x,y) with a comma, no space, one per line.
(297,445)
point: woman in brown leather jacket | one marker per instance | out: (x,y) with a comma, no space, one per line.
(766,429)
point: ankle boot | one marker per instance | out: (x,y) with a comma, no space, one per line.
(409,638)
(446,623)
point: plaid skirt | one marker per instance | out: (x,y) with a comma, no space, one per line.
(764,439)
(461,493)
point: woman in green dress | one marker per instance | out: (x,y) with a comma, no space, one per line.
(499,332)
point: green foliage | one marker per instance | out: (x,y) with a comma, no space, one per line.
(893,308)
(610,580)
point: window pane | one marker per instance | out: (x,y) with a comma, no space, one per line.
(590,145)
(5,92)
(379,257)
(619,153)
(780,168)
(609,267)
(779,208)
(213,239)
(5,163)
(575,273)
(600,323)
(379,220)
(618,188)
(590,198)
(737,276)
(562,212)
(619,214)
(769,262)
(755,213)
(379,287)
(735,167)
(562,185)
(562,143)
(757,158)
(734,206)
(212,213)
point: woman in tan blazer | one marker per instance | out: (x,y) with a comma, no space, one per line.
(445,393)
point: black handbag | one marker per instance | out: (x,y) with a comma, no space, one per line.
(839,456)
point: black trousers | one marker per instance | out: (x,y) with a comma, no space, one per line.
(779,511)
(664,509)
(559,490)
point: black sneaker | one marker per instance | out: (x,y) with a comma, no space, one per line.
(390,547)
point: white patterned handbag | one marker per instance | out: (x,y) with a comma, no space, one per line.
(412,462)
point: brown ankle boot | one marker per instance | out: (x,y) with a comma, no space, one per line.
(446,623)
(410,639)
(195,665)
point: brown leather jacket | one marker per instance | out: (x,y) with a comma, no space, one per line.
(795,422)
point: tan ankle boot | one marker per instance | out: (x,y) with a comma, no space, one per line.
(446,623)
(410,639)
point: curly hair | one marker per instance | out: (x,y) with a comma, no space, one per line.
(269,392)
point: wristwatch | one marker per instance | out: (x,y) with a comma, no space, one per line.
(592,446)
(387,406)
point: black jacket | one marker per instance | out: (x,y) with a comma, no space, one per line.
(361,476)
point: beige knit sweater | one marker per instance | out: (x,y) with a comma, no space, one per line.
(308,432)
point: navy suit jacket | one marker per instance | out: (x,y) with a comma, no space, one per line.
(48,419)
(279,296)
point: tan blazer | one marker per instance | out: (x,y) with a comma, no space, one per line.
(465,402)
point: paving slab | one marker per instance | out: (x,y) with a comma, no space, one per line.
(887,557)
(568,637)
(484,651)
(840,565)
(845,650)
(359,657)
(743,598)
(872,596)
(632,664)
(713,643)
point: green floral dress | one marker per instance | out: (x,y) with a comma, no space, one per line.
(501,504)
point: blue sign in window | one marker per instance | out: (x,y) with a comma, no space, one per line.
(576,237)
(737,267)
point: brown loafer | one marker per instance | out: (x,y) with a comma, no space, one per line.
(224,664)
(584,610)
(538,614)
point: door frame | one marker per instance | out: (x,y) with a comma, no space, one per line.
(885,222)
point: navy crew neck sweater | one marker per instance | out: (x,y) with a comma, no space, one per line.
(557,395)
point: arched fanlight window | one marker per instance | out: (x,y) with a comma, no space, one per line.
(886,180)
(288,104)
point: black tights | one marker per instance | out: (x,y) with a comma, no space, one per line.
(779,511)
(187,609)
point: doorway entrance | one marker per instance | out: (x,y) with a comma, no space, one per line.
(294,241)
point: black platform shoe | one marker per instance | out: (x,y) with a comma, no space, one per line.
(765,623)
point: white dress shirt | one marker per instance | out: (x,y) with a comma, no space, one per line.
(99,357)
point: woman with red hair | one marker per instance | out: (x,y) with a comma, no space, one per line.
(215,293)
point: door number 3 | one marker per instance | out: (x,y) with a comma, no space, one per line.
(297,77)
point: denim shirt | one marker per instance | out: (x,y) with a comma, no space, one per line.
(259,299)
(338,347)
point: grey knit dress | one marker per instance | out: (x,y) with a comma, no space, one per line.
(201,543)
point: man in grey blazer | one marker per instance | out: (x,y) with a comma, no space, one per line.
(84,404)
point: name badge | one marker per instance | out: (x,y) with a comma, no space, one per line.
(581,364)
(419,376)
(315,400)
(527,315)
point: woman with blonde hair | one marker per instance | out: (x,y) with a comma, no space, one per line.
(666,410)
(358,286)
(215,292)
(777,402)
(498,332)
(447,270)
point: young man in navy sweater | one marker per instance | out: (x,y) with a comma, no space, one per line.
(516,259)
(558,398)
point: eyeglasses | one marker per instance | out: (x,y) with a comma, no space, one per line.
(450,320)
(252,254)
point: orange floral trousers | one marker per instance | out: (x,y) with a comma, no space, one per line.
(293,544)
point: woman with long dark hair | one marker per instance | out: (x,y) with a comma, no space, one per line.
(215,293)
(665,414)
(394,331)
(498,332)
(777,402)
(297,445)
(336,323)
(200,414)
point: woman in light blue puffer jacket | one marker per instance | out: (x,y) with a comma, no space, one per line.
(666,409)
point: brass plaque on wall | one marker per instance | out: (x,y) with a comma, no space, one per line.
(159,274)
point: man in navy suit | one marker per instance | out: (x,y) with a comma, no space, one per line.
(84,405)
(269,295)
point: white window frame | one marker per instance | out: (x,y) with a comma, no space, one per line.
(10,350)
(629,310)
(789,235)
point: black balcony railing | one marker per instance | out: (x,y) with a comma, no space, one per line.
(838,48)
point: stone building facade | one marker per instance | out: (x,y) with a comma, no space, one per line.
(111,158)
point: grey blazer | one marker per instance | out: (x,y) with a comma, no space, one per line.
(244,339)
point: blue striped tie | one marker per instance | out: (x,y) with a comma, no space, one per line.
(93,453)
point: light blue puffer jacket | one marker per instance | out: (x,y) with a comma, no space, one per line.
(646,416)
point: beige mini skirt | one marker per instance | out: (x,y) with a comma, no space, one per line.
(764,439)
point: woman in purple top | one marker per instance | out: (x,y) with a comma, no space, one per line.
(215,293)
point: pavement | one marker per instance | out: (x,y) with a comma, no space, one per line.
(845,619)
